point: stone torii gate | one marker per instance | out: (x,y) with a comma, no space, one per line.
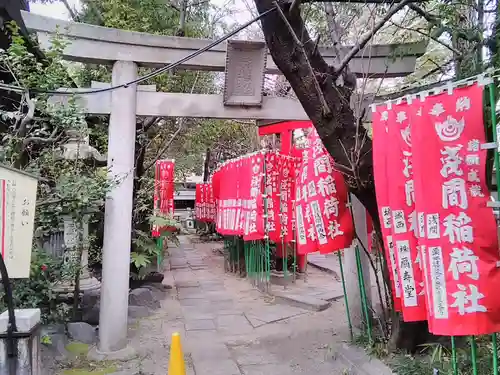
(244,63)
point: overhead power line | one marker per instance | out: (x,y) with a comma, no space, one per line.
(154,73)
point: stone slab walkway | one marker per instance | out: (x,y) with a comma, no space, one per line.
(229,328)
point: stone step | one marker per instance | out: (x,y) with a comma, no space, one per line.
(302,301)
(360,363)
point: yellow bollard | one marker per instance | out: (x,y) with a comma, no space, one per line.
(176,364)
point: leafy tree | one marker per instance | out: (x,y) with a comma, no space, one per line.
(34,135)
(325,91)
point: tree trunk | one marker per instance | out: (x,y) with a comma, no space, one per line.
(328,107)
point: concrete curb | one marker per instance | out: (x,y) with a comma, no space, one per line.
(304,302)
(322,268)
(362,364)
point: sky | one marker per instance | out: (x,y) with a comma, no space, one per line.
(54,10)
(58,10)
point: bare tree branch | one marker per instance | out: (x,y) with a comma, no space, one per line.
(167,145)
(368,36)
(300,45)
(455,51)
(70,10)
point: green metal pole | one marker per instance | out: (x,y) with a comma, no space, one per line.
(267,257)
(364,302)
(159,256)
(495,353)
(238,255)
(454,356)
(285,259)
(345,294)
(491,89)
(494,129)
(473,354)
(245,252)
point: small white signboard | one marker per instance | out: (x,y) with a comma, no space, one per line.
(17,216)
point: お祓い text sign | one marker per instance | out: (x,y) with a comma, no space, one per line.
(17,215)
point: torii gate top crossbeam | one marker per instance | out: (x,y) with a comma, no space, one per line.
(102,45)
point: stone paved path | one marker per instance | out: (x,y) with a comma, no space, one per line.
(229,328)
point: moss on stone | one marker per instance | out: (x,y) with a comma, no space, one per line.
(77,348)
(97,371)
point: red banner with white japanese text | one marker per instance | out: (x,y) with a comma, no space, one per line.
(280,183)
(163,198)
(380,169)
(401,192)
(457,231)
(205,203)
(238,189)
(323,220)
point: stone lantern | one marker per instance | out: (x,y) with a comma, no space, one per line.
(77,148)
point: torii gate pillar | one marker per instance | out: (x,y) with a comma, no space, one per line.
(118,214)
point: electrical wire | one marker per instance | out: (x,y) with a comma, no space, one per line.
(147,76)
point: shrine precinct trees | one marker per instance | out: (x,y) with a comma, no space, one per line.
(325,91)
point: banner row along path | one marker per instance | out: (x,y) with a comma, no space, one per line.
(230,328)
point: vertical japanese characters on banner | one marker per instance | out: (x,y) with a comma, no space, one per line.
(430,176)
(205,203)
(280,174)
(401,192)
(458,233)
(164,191)
(323,220)
(238,190)
(380,169)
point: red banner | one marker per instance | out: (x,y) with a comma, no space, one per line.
(163,198)
(458,233)
(238,189)
(205,203)
(401,192)
(380,170)
(323,221)
(280,178)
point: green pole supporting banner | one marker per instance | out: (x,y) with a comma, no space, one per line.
(266,256)
(362,289)
(345,294)
(495,132)
(284,249)
(495,353)
(238,269)
(454,356)
(473,354)
(159,256)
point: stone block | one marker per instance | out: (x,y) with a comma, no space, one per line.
(200,325)
(233,324)
(330,296)
(136,312)
(208,350)
(26,319)
(82,332)
(271,314)
(187,294)
(143,297)
(217,367)
(246,356)
(266,369)
(186,283)
(302,301)
(194,302)
(197,315)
